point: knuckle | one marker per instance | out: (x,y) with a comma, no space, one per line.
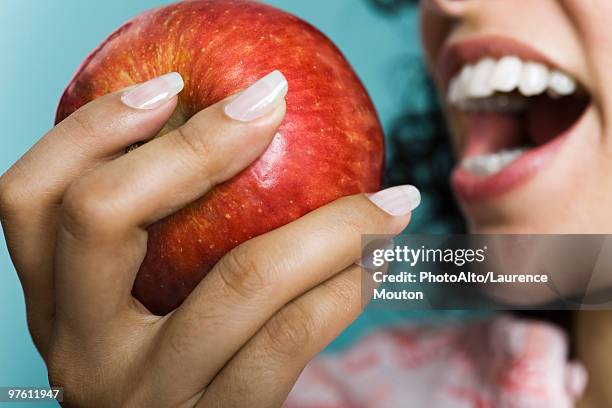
(58,370)
(86,212)
(350,220)
(290,332)
(74,372)
(11,195)
(62,371)
(189,139)
(343,291)
(80,122)
(178,345)
(357,214)
(245,274)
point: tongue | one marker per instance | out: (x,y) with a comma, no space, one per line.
(544,120)
(491,132)
(548,118)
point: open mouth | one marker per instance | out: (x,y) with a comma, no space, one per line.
(511,107)
(512,112)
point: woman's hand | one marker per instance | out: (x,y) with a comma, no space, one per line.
(75,209)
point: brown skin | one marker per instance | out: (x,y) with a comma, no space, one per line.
(68,212)
(571,194)
(330,143)
(75,212)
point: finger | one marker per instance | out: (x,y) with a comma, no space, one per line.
(576,377)
(256,279)
(32,189)
(105,212)
(278,353)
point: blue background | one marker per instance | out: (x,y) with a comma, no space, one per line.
(42,43)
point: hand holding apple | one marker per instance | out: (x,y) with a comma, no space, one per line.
(264,310)
(267,307)
(329,145)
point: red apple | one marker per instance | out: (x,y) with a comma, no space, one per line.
(330,143)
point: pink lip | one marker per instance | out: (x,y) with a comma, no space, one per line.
(471,188)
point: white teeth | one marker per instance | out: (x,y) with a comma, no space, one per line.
(463,82)
(507,74)
(534,79)
(487,164)
(478,86)
(454,93)
(465,76)
(561,84)
(494,103)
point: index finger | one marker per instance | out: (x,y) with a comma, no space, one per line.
(31,190)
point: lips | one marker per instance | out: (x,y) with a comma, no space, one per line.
(512,107)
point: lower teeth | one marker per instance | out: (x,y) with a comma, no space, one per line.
(487,164)
(495,103)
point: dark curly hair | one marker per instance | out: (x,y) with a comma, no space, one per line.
(419,144)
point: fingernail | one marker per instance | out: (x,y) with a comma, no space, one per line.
(397,201)
(372,254)
(576,379)
(259,99)
(155,92)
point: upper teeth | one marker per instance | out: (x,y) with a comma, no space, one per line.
(487,76)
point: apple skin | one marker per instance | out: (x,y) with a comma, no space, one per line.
(329,145)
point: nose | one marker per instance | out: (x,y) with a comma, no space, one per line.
(448,8)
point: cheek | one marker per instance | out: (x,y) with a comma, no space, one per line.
(589,15)
(434,29)
(591,19)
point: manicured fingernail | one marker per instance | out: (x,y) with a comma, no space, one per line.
(371,258)
(397,201)
(259,99)
(155,92)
